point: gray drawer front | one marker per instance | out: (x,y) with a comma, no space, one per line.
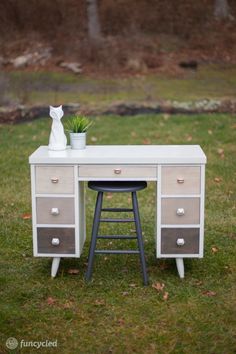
(54,179)
(170,236)
(181,180)
(55,210)
(171,209)
(66,237)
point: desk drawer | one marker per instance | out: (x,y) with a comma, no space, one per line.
(54,179)
(56,240)
(117,171)
(180,241)
(180,180)
(55,210)
(180,211)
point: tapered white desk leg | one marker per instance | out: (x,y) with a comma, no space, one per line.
(180,266)
(55,266)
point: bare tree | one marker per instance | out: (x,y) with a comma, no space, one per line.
(94,27)
(222,10)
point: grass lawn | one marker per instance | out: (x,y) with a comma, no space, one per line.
(209,81)
(115,313)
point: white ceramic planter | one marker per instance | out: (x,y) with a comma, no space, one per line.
(78,141)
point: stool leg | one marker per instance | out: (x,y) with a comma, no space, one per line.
(139,236)
(96,220)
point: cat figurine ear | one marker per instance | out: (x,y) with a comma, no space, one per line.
(57,139)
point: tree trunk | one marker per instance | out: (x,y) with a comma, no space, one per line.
(222,10)
(94,28)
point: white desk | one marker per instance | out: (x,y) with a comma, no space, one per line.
(58,205)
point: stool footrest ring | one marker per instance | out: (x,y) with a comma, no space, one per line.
(118,237)
(117,220)
(116,252)
(117,209)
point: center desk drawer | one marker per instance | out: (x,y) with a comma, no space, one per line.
(55,210)
(54,179)
(117,171)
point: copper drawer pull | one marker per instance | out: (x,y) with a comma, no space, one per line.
(180,180)
(54,179)
(117,171)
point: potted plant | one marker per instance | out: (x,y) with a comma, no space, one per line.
(77,127)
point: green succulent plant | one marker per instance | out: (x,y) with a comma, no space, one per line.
(78,124)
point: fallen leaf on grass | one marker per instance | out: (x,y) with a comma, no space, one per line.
(199,282)
(133,134)
(125,293)
(166,116)
(99,302)
(121,321)
(215,249)
(158,286)
(189,138)
(50,300)
(67,305)
(165,296)
(221,153)
(132,285)
(146,141)
(217,179)
(209,293)
(73,271)
(93,138)
(26,216)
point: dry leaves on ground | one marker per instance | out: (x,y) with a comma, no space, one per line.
(73,271)
(26,216)
(218,179)
(100,302)
(209,293)
(50,300)
(158,286)
(221,152)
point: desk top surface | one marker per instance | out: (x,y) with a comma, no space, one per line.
(121,154)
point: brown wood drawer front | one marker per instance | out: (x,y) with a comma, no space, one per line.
(55,210)
(117,171)
(180,211)
(54,179)
(180,180)
(180,241)
(56,240)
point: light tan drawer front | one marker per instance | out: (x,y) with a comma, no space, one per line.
(56,240)
(180,241)
(180,180)
(117,171)
(180,211)
(54,179)
(55,210)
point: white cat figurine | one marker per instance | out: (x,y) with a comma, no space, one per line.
(57,139)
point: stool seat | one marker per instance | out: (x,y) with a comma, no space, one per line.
(117,186)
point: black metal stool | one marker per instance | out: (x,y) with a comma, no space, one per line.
(121,187)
